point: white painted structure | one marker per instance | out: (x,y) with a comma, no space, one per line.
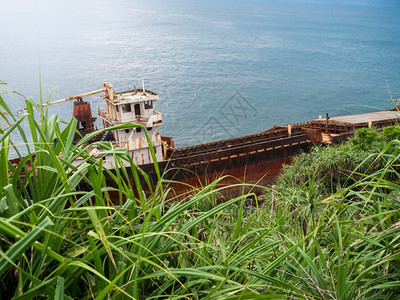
(136,107)
(132,107)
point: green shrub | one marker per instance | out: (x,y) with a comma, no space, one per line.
(391,133)
(365,138)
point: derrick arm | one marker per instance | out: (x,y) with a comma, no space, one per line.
(67,99)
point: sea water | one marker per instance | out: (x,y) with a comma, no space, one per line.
(223,68)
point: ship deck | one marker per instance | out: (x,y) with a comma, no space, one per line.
(375,117)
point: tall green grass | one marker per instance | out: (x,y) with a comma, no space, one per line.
(60,241)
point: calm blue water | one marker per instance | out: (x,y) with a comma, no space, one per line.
(223,68)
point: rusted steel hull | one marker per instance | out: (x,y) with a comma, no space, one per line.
(255,159)
(256,176)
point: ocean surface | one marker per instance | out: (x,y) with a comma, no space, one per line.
(223,68)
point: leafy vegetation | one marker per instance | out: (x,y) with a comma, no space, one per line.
(335,168)
(333,232)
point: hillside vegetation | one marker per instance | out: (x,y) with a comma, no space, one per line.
(330,230)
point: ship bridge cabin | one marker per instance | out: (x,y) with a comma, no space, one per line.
(135,107)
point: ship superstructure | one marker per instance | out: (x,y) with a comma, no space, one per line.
(135,107)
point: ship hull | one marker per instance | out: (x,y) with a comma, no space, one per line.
(253,162)
(247,167)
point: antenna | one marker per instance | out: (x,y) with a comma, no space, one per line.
(144,91)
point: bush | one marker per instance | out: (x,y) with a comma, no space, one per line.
(391,133)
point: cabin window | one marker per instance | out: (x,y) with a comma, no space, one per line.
(148,104)
(137,110)
(82,125)
(138,129)
(126,108)
(126,130)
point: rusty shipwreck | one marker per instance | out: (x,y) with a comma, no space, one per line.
(254,159)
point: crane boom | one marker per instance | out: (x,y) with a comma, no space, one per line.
(73,97)
(67,99)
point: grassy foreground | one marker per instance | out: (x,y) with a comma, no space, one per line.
(330,231)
